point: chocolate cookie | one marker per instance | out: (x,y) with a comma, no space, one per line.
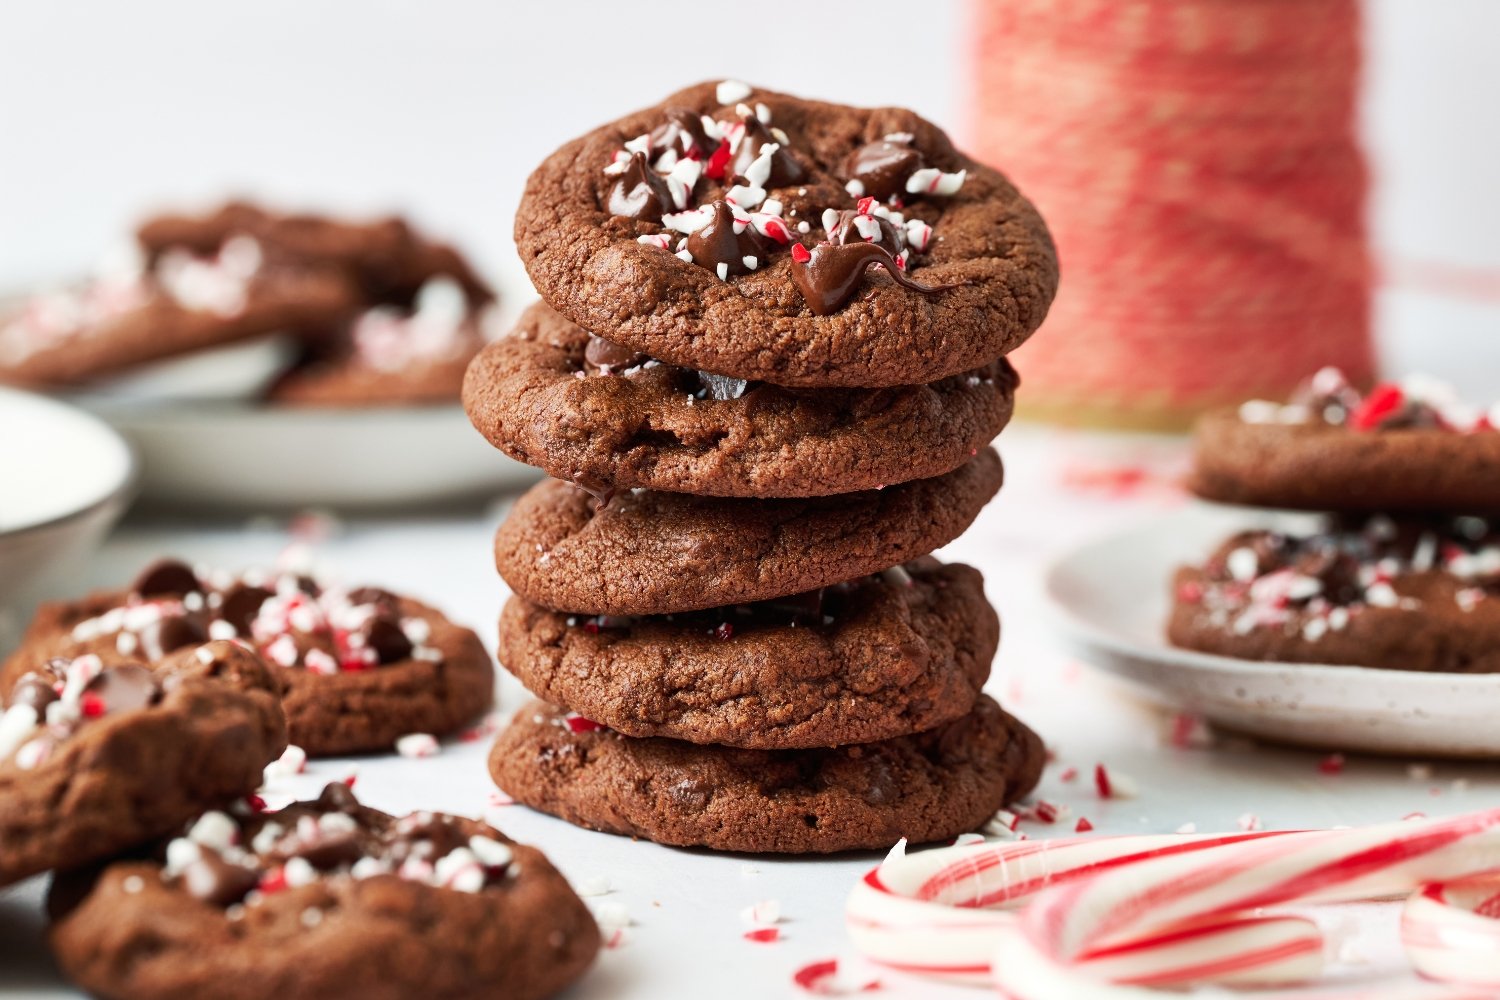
(360,667)
(739,231)
(96,758)
(393,356)
(1403,447)
(325,899)
(645,552)
(927,787)
(388,259)
(1409,595)
(882,656)
(629,421)
(183,302)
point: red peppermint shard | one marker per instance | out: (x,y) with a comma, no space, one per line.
(1383,401)
(718,162)
(801,253)
(579,724)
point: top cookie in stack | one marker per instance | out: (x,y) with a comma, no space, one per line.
(768,363)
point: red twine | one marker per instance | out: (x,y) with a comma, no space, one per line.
(1196,161)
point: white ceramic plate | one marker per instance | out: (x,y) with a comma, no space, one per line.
(245,457)
(65,478)
(1111,599)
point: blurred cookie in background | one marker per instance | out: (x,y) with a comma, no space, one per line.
(328,311)
(392,355)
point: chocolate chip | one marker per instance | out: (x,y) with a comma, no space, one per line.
(804,608)
(166,578)
(124,688)
(847,230)
(216,881)
(241,604)
(166,634)
(829,274)
(373,595)
(717,243)
(784,167)
(338,797)
(333,850)
(640,192)
(883,166)
(385,636)
(681,123)
(608,356)
(35,691)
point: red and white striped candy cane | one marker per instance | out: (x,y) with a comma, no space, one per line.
(1452,931)
(940,913)
(1137,911)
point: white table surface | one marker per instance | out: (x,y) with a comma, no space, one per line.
(686,934)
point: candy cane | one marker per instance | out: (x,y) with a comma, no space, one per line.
(1111,915)
(1452,931)
(1324,866)
(933,913)
(1058,944)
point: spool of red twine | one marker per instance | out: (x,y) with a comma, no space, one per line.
(1197,163)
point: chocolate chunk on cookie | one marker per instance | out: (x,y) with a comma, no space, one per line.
(882,656)
(1417,594)
(326,898)
(584,409)
(761,236)
(360,667)
(1402,447)
(927,787)
(96,758)
(644,552)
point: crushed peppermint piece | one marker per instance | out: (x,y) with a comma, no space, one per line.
(830,977)
(1113,784)
(761,914)
(732,91)
(930,180)
(1249,822)
(293,760)
(418,745)
(597,885)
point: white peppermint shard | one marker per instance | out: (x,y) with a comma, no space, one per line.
(931,180)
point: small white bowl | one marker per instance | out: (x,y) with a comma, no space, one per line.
(249,458)
(65,478)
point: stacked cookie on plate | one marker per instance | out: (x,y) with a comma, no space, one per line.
(1402,569)
(765,374)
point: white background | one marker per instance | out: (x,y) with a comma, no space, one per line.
(441,108)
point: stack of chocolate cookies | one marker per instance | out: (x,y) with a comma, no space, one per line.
(764,376)
(1403,571)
